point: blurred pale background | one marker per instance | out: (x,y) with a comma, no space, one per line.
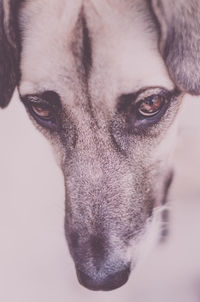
(34,261)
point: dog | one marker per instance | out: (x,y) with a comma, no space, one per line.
(103,80)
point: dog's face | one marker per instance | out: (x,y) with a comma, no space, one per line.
(95,84)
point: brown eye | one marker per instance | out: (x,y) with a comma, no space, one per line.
(45,108)
(151,105)
(42,111)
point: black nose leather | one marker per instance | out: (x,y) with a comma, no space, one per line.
(108,283)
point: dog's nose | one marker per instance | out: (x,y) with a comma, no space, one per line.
(108,283)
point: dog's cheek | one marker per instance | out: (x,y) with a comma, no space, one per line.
(162,161)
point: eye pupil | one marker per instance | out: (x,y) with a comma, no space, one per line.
(151,105)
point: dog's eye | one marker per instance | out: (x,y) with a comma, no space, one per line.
(145,108)
(44,114)
(45,109)
(151,105)
(42,111)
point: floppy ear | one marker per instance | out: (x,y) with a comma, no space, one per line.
(9,50)
(179,23)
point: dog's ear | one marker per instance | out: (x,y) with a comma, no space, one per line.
(179,24)
(9,50)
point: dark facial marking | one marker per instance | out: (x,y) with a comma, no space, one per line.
(167,186)
(81,47)
(165,214)
(87,49)
(165,226)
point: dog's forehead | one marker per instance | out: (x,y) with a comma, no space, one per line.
(118,39)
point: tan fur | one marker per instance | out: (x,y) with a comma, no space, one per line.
(92,53)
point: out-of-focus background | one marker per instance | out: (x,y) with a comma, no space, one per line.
(34,261)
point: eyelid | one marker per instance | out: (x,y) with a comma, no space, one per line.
(49,98)
(149,92)
(35,100)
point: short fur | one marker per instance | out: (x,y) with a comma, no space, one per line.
(95,57)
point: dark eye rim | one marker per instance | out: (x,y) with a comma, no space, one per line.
(128,101)
(128,108)
(53,121)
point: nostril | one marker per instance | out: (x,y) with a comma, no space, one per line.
(118,279)
(74,238)
(108,283)
(98,249)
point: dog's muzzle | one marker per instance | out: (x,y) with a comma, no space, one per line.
(99,266)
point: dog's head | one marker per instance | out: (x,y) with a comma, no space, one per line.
(103,81)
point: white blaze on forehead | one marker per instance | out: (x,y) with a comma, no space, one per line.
(123,36)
